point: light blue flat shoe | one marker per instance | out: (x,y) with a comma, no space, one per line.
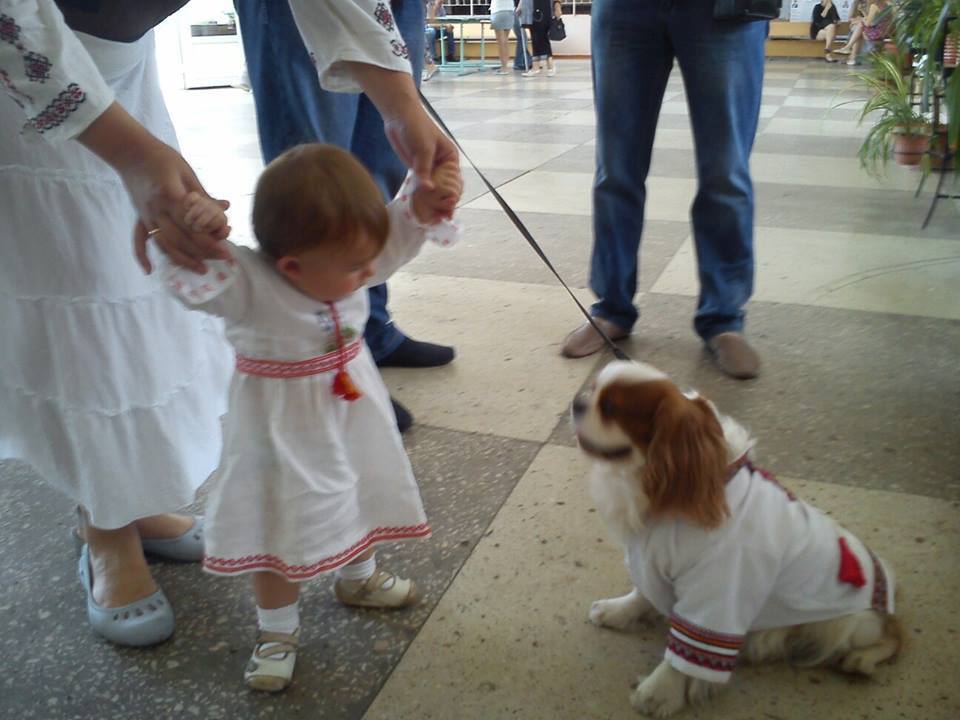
(184,548)
(145,622)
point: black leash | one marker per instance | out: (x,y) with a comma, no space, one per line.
(518,223)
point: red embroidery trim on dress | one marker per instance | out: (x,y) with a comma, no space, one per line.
(300,368)
(10,31)
(59,108)
(37,67)
(228,566)
(384,17)
(400,49)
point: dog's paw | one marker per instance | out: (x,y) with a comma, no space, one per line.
(661,694)
(619,613)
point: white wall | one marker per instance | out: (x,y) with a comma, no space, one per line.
(578,36)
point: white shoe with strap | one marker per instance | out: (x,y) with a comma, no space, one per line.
(270,668)
(381,590)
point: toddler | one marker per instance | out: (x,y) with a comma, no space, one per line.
(313,472)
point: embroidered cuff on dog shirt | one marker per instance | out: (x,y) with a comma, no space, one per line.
(776,562)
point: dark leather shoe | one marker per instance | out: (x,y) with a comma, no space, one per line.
(416,354)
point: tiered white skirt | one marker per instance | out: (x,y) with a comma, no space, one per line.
(108,386)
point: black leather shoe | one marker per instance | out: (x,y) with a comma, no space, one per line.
(416,354)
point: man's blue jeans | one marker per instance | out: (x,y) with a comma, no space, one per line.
(634,45)
(522,59)
(293,109)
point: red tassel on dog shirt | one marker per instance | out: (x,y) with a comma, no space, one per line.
(343,385)
(850,570)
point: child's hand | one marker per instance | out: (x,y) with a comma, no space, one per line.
(432,206)
(206,215)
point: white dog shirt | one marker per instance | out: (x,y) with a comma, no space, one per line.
(777,561)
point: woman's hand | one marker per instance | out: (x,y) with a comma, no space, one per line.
(158,180)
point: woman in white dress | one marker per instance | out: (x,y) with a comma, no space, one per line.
(97,361)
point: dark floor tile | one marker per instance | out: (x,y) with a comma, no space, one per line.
(54,668)
(823,145)
(886,212)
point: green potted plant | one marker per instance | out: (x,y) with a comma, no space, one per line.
(932,27)
(900,127)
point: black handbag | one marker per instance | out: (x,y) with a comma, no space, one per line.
(557,31)
(746,10)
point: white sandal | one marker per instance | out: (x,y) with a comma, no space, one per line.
(270,668)
(381,590)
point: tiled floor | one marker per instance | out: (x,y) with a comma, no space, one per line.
(856,314)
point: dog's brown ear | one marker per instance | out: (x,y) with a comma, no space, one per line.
(686,466)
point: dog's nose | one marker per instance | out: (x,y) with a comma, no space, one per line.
(579,406)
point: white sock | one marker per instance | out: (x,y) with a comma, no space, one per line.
(362,570)
(281,620)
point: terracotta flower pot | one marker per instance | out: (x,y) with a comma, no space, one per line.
(908,148)
(905,59)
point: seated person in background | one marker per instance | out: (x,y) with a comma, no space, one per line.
(878,23)
(855,40)
(436,10)
(823,26)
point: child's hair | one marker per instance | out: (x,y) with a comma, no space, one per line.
(315,195)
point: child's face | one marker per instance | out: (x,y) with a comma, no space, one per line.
(331,274)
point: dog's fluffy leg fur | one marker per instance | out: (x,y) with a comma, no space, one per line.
(622,612)
(856,643)
(666,691)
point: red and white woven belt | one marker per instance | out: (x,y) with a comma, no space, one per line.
(300,368)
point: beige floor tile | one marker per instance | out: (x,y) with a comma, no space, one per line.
(679,107)
(672,139)
(510,637)
(877,273)
(509,378)
(514,155)
(533,116)
(575,117)
(795,126)
(485,103)
(826,83)
(830,172)
(569,193)
(824,101)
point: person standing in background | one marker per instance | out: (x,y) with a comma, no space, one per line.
(722,67)
(501,20)
(536,15)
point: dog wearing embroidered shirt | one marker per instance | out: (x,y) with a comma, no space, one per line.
(739,565)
